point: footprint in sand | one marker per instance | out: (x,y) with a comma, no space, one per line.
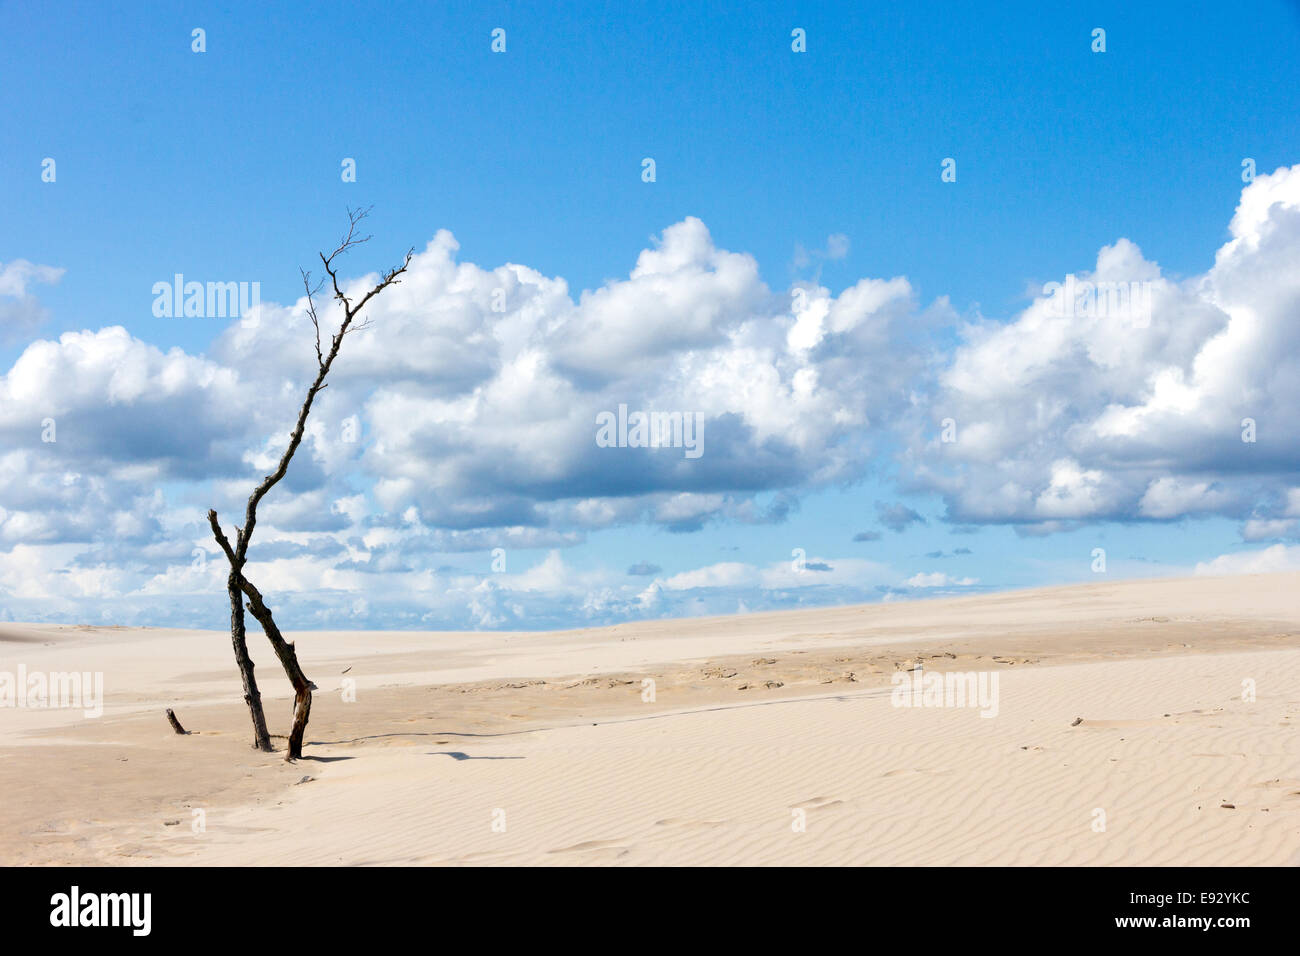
(690,824)
(480,855)
(817,803)
(905,770)
(606,848)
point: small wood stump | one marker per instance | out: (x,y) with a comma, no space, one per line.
(176,724)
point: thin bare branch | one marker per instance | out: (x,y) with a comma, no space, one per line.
(390,278)
(311,309)
(221,536)
(347,242)
(295,437)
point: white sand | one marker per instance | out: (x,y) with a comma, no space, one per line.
(548,734)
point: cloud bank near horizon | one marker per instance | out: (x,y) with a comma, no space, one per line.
(464,419)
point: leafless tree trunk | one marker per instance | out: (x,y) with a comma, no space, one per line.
(237,585)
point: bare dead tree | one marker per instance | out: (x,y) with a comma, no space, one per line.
(237,585)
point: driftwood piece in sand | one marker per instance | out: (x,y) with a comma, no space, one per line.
(176,724)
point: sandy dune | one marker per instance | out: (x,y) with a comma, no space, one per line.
(771,738)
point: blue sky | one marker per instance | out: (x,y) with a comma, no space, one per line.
(225,165)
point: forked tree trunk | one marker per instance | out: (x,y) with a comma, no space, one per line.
(238,637)
(237,585)
(288,655)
